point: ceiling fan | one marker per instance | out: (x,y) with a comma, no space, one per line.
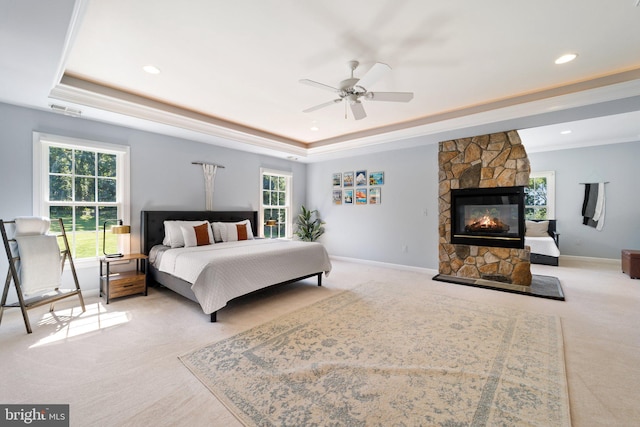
(353,90)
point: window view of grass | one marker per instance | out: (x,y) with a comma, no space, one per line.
(86,241)
(82,191)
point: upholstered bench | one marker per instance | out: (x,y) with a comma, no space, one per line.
(631,263)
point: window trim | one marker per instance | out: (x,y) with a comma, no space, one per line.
(41,143)
(551,190)
(288,201)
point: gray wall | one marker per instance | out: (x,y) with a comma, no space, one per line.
(380,232)
(162,176)
(616,163)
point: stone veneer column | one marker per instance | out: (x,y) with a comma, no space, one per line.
(487,161)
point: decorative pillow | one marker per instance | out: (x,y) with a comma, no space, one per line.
(241,230)
(536,228)
(234,231)
(173,232)
(196,235)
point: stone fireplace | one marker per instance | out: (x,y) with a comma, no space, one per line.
(495,166)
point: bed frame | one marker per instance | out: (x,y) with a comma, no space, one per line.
(152,233)
(547,259)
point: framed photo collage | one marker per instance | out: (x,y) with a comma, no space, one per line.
(357,188)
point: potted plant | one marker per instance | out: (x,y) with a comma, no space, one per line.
(308,227)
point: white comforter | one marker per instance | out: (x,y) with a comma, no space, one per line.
(223,271)
(542,246)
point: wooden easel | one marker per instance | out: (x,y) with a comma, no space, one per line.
(47,298)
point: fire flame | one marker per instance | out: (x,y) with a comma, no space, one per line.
(486,223)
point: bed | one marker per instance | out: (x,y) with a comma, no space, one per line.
(214,274)
(543,240)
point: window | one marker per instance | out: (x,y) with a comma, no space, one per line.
(86,184)
(540,196)
(275,204)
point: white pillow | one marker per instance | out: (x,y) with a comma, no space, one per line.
(536,228)
(173,232)
(229,230)
(189,235)
(216,231)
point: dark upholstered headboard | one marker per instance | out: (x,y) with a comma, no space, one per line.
(152,223)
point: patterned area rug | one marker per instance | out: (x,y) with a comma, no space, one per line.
(382,355)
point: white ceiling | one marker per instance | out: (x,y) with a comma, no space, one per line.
(229,72)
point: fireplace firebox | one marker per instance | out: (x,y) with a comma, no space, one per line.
(488,217)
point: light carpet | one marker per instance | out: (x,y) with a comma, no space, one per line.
(392,355)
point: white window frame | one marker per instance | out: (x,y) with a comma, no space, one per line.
(551,190)
(41,202)
(288,199)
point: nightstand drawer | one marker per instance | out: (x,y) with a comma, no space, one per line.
(127,283)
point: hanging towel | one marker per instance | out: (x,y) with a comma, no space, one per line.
(40,268)
(600,207)
(590,201)
(593,207)
(32,225)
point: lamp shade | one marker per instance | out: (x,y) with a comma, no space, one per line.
(271,223)
(120,229)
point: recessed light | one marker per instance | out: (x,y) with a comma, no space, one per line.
(314,128)
(565,132)
(151,69)
(566,58)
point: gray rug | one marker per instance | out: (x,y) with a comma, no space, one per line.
(382,355)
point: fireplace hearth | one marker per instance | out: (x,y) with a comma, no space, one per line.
(488,217)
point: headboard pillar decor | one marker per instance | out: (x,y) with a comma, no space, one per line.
(486,161)
(209,170)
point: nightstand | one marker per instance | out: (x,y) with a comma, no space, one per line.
(115,285)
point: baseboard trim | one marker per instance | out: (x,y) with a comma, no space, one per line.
(386,264)
(574,258)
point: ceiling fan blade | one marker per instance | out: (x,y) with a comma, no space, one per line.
(325,104)
(358,110)
(319,85)
(390,96)
(374,74)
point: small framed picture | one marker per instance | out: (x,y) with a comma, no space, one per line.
(361,196)
(347,196)
(337,179)
(361,178)
(337,197)
(376,178)
(347,179)
(375,196)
